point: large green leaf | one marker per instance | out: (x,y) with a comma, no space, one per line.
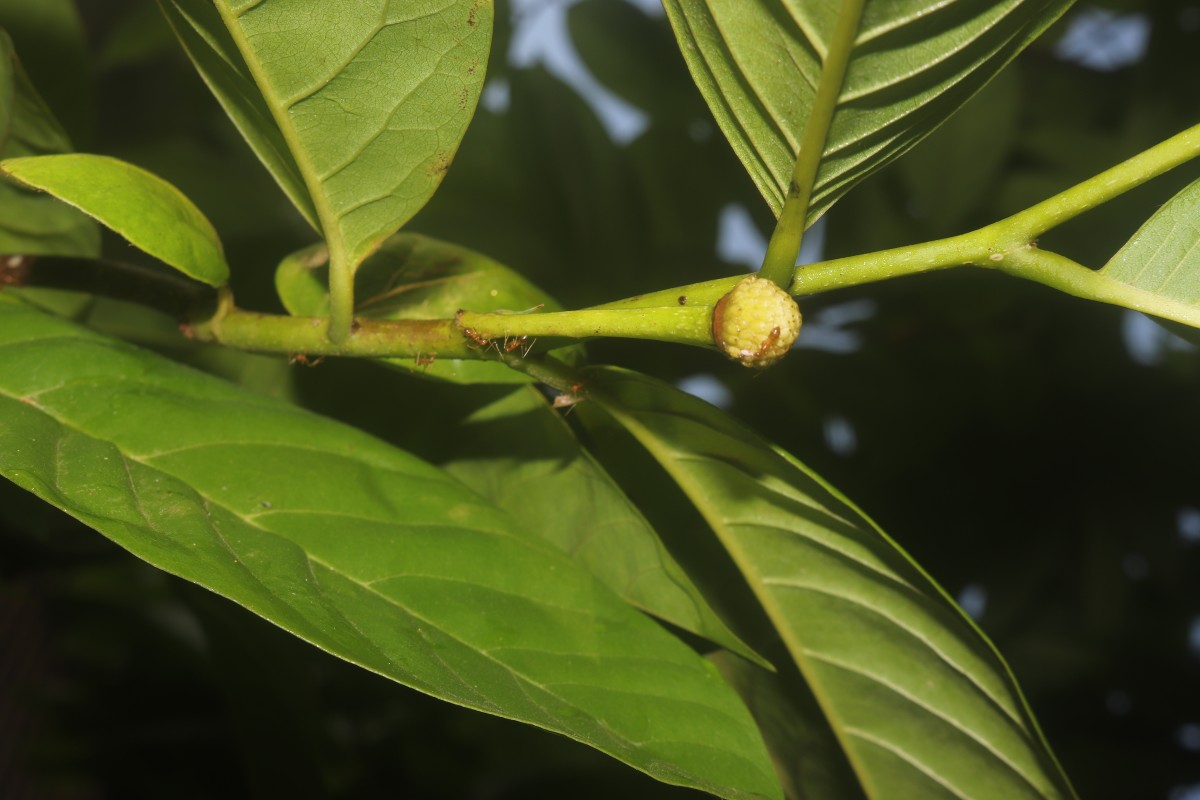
(792,722)
(358,548)
(520,454)
(151,213)
(30,222)
(759,64)
(203,35)
(415,277)
(1163,257)
(372,98)
(921,702)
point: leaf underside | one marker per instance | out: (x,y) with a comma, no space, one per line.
(372,99)
(1163,257)
(920,701)
(758,63)
(358,548)
(519,453)
(200,30)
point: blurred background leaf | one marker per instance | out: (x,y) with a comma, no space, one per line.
(52,42)
(32,223)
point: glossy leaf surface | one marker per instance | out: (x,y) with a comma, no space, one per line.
(912,63)
(151,213)
(358,548)
(203,35)
(373,99)
(921,702)
(415,277)
(518,453)
(30,222)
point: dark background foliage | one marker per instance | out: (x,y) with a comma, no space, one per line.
(1034,452)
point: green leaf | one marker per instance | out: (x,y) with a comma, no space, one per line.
(415,277)
(358,548)
(30,222)
(1163,257)
(921,702)
(792,722)
(203,35)
(151,213)
(372,101)
(759,63)
(518,453)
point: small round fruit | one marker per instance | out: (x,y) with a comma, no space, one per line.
(756,323)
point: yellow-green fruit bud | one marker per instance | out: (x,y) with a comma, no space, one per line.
(756,323)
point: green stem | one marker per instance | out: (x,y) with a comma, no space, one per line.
(989,246)
(682,314)
(784,247)
(547,370)
(838,273)
(341,267)
(271,333)
(472,335)
(1036,220)
(681,324)
(1060,272)
(341,295)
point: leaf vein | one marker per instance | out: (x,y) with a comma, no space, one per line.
(908,758)
(792,583)
(975,736)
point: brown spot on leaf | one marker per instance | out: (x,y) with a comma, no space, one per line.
(439,165)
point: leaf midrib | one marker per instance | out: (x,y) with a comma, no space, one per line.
(932,711)
(738,554)
(665,455)
(330,229)
(892,579)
